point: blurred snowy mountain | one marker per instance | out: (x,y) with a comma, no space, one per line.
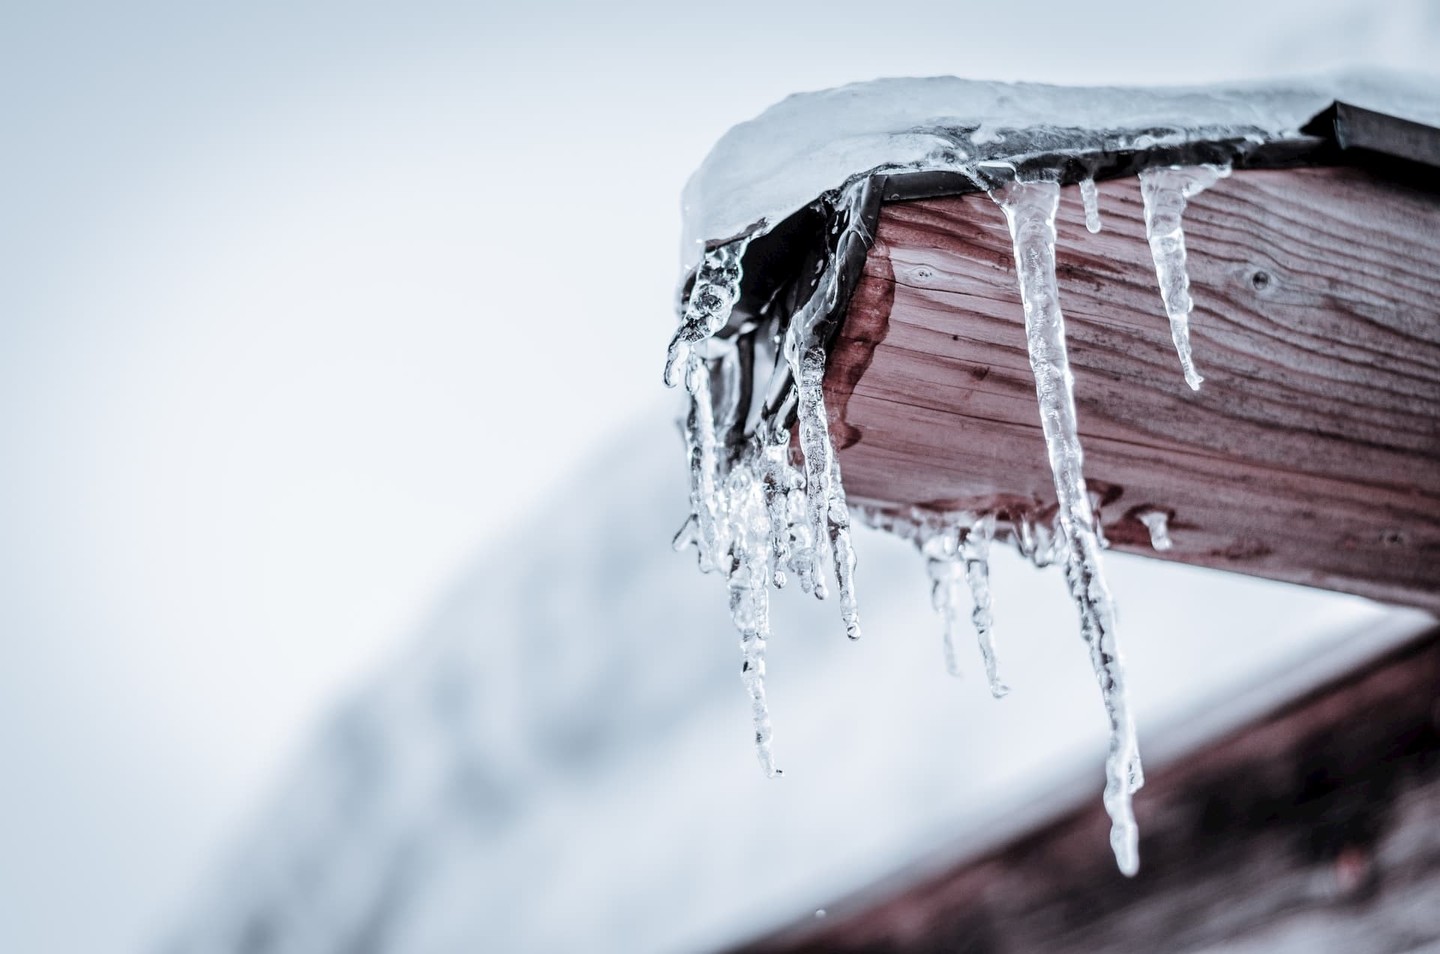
(563,762)
(448,803)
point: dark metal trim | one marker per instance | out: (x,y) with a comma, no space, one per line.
(1370,138)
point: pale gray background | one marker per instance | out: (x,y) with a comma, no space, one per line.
(299,308)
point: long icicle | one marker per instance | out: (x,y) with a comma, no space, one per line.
(815,446)
(941,550)
(749,582)
(777,483)
(975,550)
(1165,190)
(1030,212)
(712,299)
(700,439)
(827,511)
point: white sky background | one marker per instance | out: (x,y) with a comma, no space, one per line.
(299,309)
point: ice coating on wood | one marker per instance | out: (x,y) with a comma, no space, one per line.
(1091,199)
(763,170)
(1030,213)
(1165,190)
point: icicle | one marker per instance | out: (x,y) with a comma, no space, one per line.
(1165,191)
(685,536)
(778,484)
(839,518)
(956,548)
(1091,198)
(816,448)
(754,514)
(827,513)
(1025,540)
(1095,504)
(749,596)
(941,549)
(704,464)
(1037,542)
(1030,212)
(975,549)
(804,560)
(1158,523)
(717,288)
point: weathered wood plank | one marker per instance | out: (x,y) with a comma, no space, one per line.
(1316,829)
(1312,452)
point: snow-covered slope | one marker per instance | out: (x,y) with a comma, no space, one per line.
(564,761)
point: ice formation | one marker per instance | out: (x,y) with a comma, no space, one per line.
(1091,198)
(729,522)
(957,558)
(1165,191)
(1158,523)
(717,286)
(1030,212)
(758,515)
(976,551)
(762,513)
(956,550)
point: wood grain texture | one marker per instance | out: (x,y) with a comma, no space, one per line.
(1312,452)
(1316,829)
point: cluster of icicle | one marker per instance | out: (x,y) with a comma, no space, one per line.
(758,515)
(956,548)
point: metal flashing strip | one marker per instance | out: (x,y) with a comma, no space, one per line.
(1364,134)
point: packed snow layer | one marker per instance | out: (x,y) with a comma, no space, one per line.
(811,143)
(556,765)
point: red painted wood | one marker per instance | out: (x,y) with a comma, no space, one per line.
(1312,452)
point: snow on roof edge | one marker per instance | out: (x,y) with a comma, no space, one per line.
(766,168)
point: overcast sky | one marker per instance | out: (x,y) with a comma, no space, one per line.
(298,309)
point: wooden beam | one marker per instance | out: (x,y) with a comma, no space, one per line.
(1312,452)
(1316,829)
